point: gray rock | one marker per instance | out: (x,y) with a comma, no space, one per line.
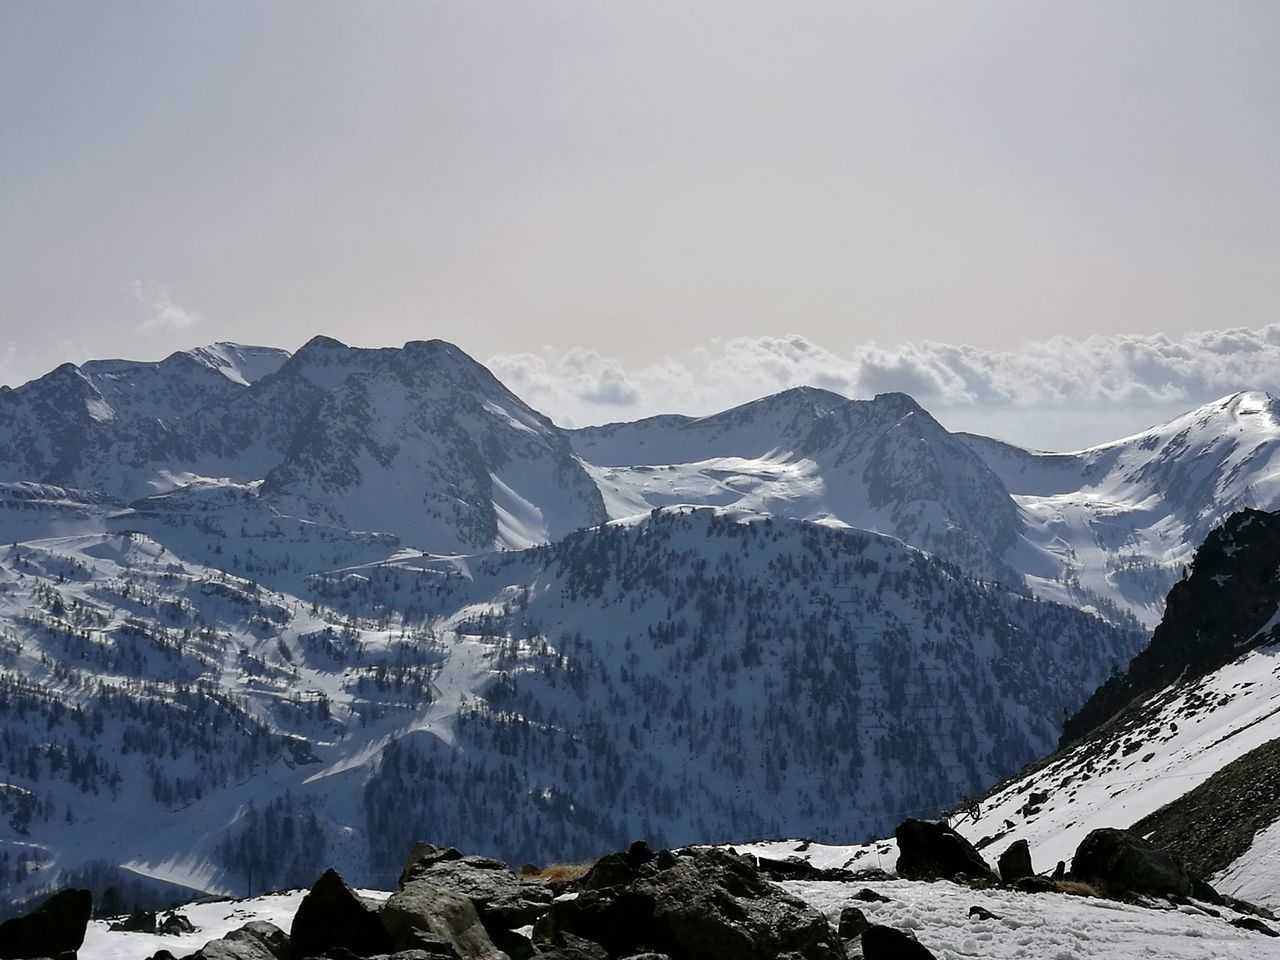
(710,904)
(258,940)
(504,900)
(423,908)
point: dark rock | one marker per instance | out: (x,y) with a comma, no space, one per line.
(56,926)
(1254,924)
(852,922)
(503,900)
(710,904)
(422,908)
(1123,861)
(1035,885)
(648,956)
(796,868)
(515,945)
(175,925)
(886,943)
(162,955)
(332,915)
(1015,862)
(565,946)
(424,855)
(867,895)
(144,921)
(930,850)
(258,940)
(1060,871)
(981,913)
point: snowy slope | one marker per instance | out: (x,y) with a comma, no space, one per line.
(1124,518)
(681,676)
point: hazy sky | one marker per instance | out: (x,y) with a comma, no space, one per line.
(632,180)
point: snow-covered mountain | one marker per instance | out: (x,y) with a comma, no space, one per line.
(686,675)
(882,464)
(1123,519)
(420,442)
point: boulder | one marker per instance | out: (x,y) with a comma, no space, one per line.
(886,943)
(422,856)
(175,925)
(618,868)
(504,900)
(852,922)
(423,912)
(258,940)
(331,916)
(931,850)
(1015,862)
(981,913)
(565,946)
(144,921)
(1254,924)
(867,895)
(1123,861)
(55,927)
(709,904)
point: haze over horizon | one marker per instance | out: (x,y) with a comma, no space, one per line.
(615,204)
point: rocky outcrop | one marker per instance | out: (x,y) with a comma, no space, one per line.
(55,927)
(708,904)
(931,850)
(504,900)
(1211,618)
(254,941)
(425,916)
(1015,862)
(331,916)
(1125,862)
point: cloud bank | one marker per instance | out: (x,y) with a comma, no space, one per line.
(1113,380)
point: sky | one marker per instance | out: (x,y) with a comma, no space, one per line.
(568,189)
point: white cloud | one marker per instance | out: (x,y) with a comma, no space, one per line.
(165,315)
(1057,392)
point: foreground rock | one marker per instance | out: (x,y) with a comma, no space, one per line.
(1123,862)
(1015,862)
(254,941)
(929,850)
(424,916)
(55,927)
(705,904)
(886,943)
(504,900)
(332,916)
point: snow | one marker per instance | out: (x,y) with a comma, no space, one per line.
(1039,926)
(212,920)
(1255,876)
(1197,729)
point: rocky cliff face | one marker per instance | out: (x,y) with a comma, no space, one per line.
(1225,607)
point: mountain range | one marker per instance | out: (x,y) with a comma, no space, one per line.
(262,611)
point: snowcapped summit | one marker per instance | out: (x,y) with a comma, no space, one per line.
(883,464)
(240,363)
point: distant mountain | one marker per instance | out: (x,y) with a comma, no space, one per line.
(882,464)
(421,442)
(684,675)
(1121,520)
